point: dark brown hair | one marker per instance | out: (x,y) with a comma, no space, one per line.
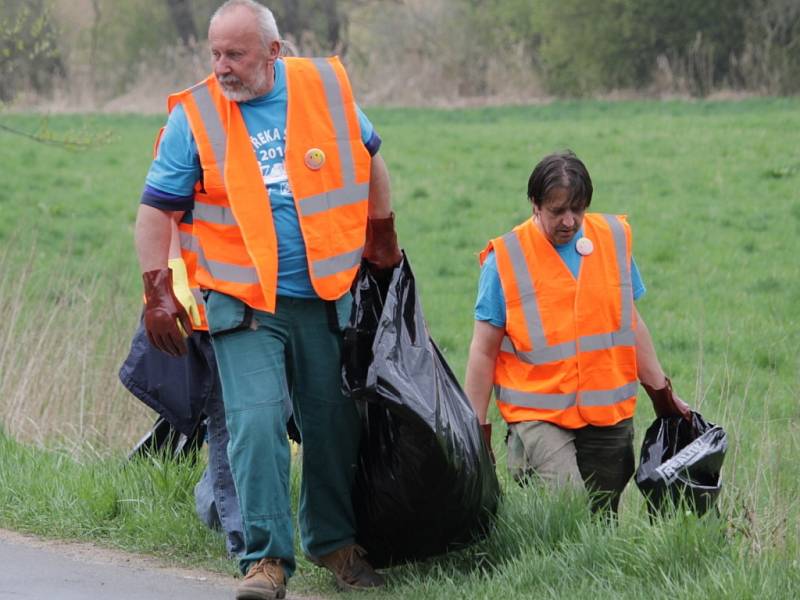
(561,170)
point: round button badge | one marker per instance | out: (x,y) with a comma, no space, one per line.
(584,246)
(314,159)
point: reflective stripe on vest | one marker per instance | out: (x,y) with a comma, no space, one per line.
(564,401)
(544,353)
(212,213)
(337,264)
(217,269)
(213,125)
(190,258)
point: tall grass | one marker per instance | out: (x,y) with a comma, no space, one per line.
(62,342)
(69,290)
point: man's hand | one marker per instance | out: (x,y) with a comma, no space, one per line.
(163,312)
(381,249)
(180,286)
(667,403)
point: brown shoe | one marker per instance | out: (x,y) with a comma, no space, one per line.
(265,580)
(352,571)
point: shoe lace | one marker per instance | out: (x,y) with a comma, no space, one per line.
(270,567)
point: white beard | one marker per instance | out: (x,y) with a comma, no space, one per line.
(240,91)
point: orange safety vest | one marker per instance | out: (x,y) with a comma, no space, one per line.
(569,355)
(233,235)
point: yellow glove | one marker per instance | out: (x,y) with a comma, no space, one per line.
(182,291)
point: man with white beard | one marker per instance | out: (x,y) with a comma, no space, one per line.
(280,169)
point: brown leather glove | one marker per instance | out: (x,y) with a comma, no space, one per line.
(381,249)
(667,403)
(163,312)
(486,431)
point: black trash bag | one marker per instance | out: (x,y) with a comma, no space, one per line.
(425,482)
(176,387)
(681,463)
(164,439)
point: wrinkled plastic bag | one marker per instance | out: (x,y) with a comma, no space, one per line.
(164,439)
(425,483)
(176,387)
(680,464)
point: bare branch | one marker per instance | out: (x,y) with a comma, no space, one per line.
(68,141)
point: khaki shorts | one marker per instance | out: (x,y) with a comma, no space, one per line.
(599,459)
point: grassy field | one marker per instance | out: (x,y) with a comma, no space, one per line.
(712,191)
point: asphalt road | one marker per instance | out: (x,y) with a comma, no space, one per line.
(33,569)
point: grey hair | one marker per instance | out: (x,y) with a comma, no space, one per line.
(266,20)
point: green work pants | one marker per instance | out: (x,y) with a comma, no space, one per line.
(599,459)
(270,364)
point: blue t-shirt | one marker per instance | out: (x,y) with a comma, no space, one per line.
(491,303)
(172,176)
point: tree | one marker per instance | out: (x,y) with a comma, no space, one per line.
(181,13)
(771,59)
(29,53)
(317,26)
(588,47)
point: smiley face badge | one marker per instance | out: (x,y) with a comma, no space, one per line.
(314,159)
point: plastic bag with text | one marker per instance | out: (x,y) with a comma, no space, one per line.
(680,464)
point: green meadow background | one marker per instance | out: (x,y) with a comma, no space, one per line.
(712,191)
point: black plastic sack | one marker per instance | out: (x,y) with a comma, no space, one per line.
(164,439)
(681,463)
(425,482)
(176,387)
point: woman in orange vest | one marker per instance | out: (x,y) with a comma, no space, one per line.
(559,339)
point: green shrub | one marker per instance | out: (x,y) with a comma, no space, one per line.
(612,44)
(29,54)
